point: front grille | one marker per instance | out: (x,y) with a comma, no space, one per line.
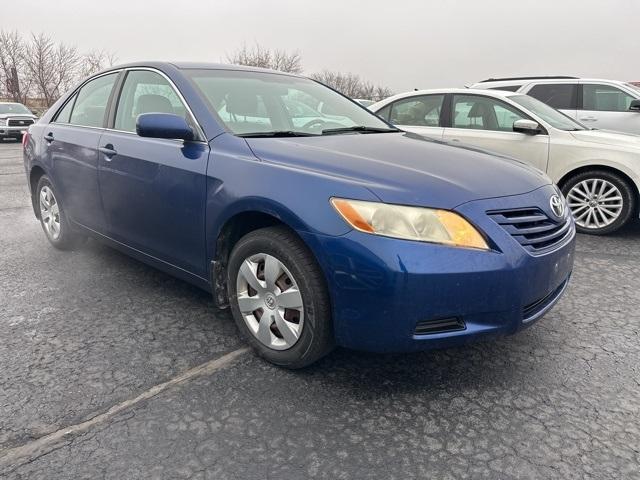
(532,228)
(529,311)
(440,325)
(17,122)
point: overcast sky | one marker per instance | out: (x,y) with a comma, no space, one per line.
(400,44)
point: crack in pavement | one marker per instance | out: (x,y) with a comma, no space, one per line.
(48,443)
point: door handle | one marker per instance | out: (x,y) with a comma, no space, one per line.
(108,151)
(48,137)
(589,119)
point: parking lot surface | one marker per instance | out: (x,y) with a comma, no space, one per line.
(86,338)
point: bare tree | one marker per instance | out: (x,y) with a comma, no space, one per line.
(258,56)
(352,85)
(13,79)
(95,61)
(53,67)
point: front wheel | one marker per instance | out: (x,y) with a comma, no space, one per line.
(601,201)
(279,299)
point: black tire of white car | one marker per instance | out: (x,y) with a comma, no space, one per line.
(629,202)
(316,337)
(67,238)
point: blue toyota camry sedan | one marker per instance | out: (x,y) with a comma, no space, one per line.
(316,222)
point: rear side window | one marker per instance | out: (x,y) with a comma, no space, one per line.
(64,115)
(91,102)
(508,88)
(422,111)
(556,95)
(605,98)
(146,92)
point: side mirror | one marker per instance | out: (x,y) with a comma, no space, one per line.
(635,106)
(164,125)
(528,127)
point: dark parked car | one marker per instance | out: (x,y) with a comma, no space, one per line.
(351,233)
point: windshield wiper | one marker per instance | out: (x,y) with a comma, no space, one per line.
(277,133)
(358,128)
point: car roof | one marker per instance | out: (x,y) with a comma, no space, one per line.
(436,91)
(198,66)
(529,80)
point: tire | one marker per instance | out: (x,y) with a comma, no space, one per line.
(51,213)
(297,271)
(622,201)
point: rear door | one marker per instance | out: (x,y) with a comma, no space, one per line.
(561,96)
(153,190)
(606,107)
(71,140)
(487,123)
(419,114)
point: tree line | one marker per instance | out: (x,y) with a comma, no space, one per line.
(37,67)
(349,84)
(37,70)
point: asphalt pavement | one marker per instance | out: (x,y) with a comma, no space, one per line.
(111,369)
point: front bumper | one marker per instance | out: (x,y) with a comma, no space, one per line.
(382,288)
(13,132)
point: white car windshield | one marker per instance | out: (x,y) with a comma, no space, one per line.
(550,115)
(269,104)
(14,108)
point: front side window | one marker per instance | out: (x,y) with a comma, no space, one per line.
(91,102)
(483,113)
(256,103)
(557,95)
(550,115)
(146,92)
(421,111)
(605,98)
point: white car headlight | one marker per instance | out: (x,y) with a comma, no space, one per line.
(3,122)
(410,223)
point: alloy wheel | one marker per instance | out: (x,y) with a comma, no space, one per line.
(270,301)
(50,212)
(595,203)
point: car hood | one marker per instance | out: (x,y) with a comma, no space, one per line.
(405,168)
(4,116)
(606,137)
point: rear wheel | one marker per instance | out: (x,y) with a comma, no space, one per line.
(52,217)
(600,201)
(279,299)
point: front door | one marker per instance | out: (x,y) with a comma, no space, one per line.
(153,190)
(487,123)
(606,107)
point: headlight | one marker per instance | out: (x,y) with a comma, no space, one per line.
(3,123)
(410,223)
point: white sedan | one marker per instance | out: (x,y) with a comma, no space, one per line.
(598,171)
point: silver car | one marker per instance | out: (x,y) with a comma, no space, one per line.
(601,104)
(15,119)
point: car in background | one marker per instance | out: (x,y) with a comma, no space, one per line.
(15,119)
(601,104)
(314,235)
(597,171)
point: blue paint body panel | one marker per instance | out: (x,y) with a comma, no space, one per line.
(166,202)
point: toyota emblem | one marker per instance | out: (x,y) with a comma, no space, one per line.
(557,206)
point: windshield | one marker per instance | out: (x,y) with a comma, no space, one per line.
(550,115)
(15,108)
(254,103)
